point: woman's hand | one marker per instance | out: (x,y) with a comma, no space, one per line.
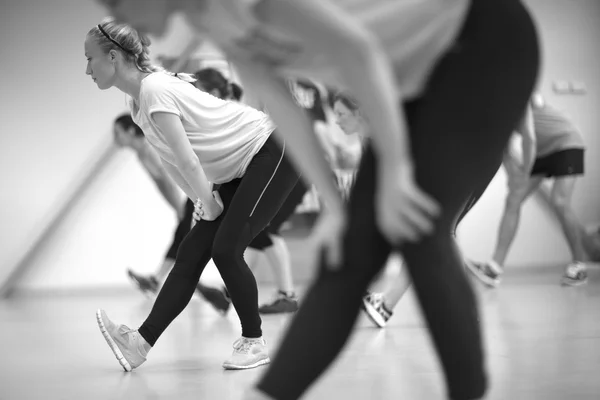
(329,234)
(403,211)
(210,210)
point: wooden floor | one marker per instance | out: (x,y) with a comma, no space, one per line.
(543,342)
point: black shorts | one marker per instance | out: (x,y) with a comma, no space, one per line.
(562,163)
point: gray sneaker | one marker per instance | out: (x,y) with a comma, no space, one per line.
(128,345)
(248,353)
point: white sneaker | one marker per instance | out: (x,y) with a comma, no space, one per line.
(575,274)
(489,273)
(128,346)
(248,353)
(374,306)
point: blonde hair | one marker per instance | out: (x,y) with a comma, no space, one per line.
(134,46)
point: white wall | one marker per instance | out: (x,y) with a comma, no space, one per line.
(55,124)
(569,32)
(122,220)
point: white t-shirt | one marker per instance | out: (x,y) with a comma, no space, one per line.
(225,135)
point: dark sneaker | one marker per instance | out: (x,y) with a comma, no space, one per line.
(284,303)
(216,297)
(147,284)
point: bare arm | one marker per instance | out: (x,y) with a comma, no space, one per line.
(186,161)
(527,131)
(362,63)
(180,180)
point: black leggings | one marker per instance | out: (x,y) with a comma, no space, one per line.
(458,131)
(263,239)
(250,203)
(185,224)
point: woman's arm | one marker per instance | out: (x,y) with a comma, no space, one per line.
(186,160)
(180,180)
(362,63)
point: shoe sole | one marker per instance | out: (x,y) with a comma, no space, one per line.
(373,314)
(274,312)
(573,283)
(264,361)
(111,343)
(483,278)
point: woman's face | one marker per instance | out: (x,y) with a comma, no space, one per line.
(349,121)
(148,16)
(100,65)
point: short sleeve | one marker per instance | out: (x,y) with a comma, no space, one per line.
(158,98)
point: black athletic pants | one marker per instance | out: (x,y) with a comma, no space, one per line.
(458,128)
(263,239)
(250,203)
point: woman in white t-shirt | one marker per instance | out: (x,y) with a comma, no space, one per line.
(202,140)
(442,84)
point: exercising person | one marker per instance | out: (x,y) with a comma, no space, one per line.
(552,148)
(201,140)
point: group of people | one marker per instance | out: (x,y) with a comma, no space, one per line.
(441,88)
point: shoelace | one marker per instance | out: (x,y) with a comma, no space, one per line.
(242,345)
(124,330)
